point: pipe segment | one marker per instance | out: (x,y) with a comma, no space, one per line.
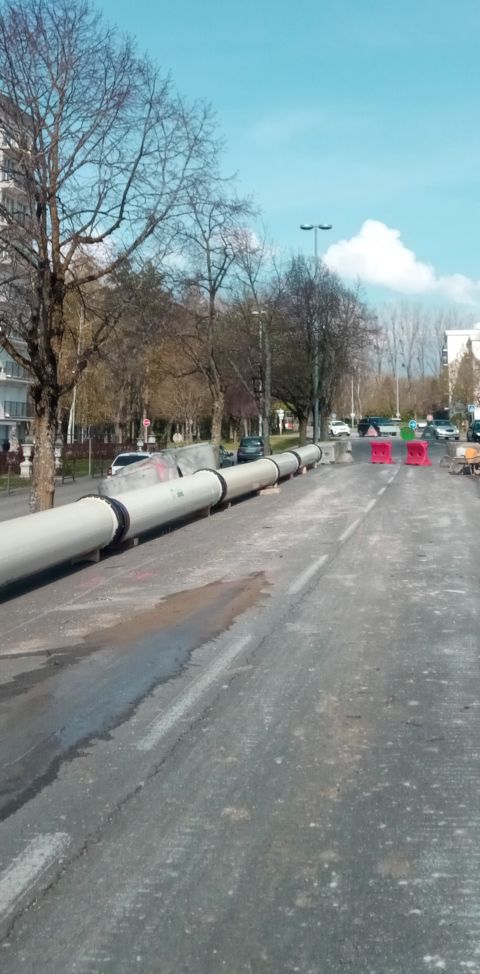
(248,477)
(34,542)
(151,507)
(308,455)
(286,463)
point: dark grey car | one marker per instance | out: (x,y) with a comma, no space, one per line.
(225,457)
(250,448)
(473,432)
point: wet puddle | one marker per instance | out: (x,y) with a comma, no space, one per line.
(82,692)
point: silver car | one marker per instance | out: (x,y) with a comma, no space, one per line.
(445,430)
(125,460)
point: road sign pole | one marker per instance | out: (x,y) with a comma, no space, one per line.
(146,424)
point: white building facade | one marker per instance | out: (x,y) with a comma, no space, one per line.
(15,405)
(462,350)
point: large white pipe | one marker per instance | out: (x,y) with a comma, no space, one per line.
(308,455)
(286,463)
(37,541)
(150,507)
(244,478)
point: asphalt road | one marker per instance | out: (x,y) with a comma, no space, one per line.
(252,743)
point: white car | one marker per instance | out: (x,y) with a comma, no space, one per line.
(124,460)
(337,428)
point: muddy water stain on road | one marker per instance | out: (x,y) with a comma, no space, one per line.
(82,692)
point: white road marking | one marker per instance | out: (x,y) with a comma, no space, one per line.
(28,866)
(305,577)
(370,505)
(349,531)
(165,723)
(381,491)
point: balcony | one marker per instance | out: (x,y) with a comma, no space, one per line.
(10,176)
(16,410)
(11,370)
(16,209)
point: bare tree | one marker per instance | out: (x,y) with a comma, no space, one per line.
(102,153)
(209,237)
(252,326)
(323,319)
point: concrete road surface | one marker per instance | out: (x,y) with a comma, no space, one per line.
(252,744)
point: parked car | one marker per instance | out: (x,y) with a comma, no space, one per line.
(225,457)
(473,432)
(337,427)
(250,448)
(124,460)
(443,429)
(364,424)
(384,427)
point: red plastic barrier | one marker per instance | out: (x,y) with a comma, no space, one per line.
(417,453)
(381,452)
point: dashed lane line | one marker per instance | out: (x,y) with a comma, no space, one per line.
(160,727)
(305,577)
(28,866)
(349,531)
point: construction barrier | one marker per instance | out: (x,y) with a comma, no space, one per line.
(381,452)
(417,453)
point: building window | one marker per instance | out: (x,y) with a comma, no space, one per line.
(15,371)
(17,410)
(7,170)
(18,211)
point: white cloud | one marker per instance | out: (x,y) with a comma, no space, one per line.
(376,255)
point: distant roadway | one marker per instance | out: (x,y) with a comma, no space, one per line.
(251,744)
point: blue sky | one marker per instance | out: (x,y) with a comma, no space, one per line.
(364,115)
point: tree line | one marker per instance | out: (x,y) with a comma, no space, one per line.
(131,272)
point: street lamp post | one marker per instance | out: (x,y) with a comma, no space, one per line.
(264,389)
(315,227)
(71,418)
(259,314)
(397,384)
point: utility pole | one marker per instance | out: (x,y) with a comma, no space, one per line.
(315,370)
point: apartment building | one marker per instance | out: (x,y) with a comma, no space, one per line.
(15,406)
(461,355)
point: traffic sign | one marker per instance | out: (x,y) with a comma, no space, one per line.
(471,408)
(146,422)
(429,418)
(412,424)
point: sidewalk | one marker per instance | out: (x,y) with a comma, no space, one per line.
(16,503)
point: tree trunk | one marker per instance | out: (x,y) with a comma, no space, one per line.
(217,416)
(302,431)
(42,492)
(323,426)
(267,393)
